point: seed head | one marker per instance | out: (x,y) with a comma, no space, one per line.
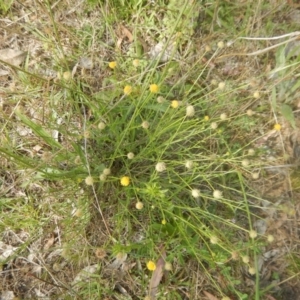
(270,238)
(217,194)
(214,240)
(190,111)
(160,167)
(168,266)
(256,95)
(102,177)
(221,86)
(223,116)
(251,151)
(145,124)
(250,112)
(221,44)
(106,171)
(245,162)
(245,259)
(139,205)
(160,99)
(136,62)
(130,155)
(214,125)
(189,164)
(101,125)
(195,193)
(89,180)
(252,234)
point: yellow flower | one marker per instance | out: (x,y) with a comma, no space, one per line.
(206,118)
(136,62)
(164,222)
(151,266)
(154,88)
(175,103)
(277,127)
(112,64)
(127,90)
(125,181)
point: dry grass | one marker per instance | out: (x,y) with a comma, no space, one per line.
(56,229)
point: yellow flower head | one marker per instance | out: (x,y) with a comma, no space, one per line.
(277,127)
(127,90)
(206,118)
(175,103)
(151,266)
(154,88)
(125,181)
(164,222)
(112,64)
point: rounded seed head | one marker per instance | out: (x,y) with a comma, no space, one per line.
(252,234)
(221,85)
(214,125)
(245,163)
(106,171)
(130,155)
(214,240)
(168,266)
(89,180)
(223,116)
(101,125)
(217,194)
(190,111)
(145,124)
(221,44)
(189,164)
(256,95)
(160,167)
(245,259)
(195,193)
(270,238)
(250,112)
(139,205)
(136,62)
(102,177)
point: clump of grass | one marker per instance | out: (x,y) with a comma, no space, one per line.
(153,157)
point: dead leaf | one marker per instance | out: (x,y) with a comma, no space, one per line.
(49,243)
(210,296)
(125,32)
(157,276)
(269,297)
(12,56)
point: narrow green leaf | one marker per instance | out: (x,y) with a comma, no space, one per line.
(287,113)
